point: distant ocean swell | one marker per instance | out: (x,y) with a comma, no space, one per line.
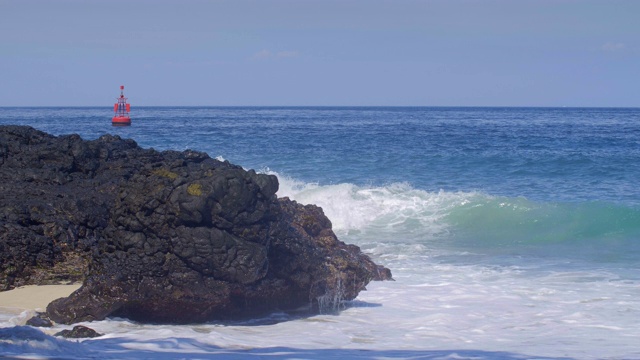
(474,220)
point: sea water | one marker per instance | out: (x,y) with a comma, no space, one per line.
(511,233)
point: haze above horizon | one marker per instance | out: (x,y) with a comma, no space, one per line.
(321,53)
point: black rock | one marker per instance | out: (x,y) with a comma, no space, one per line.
(78,332)
(40,320)
(165,237)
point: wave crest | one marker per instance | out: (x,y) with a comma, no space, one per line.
(396,208)
(470,221)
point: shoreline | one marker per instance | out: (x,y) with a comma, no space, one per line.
(34,297)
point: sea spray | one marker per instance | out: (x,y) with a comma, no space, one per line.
(396,207)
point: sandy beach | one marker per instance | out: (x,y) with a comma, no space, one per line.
(34,297)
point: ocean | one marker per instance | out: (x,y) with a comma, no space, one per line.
(512,233)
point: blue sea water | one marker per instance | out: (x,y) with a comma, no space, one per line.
(511,232)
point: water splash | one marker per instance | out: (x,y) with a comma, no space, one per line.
(333,299)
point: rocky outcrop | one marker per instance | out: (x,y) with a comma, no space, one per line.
(171,237)
(39,320)
(78,332)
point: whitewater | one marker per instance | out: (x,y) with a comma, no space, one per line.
(512,233)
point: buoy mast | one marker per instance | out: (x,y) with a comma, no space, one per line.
(121,110)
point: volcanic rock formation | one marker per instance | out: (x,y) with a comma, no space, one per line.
(165,237)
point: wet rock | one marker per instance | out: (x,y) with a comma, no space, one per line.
(162,237)
(40,320)
(78,332)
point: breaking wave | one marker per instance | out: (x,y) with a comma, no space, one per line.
(473,221)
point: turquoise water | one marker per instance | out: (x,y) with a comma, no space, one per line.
(524,220)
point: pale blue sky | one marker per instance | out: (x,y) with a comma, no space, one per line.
(312,52)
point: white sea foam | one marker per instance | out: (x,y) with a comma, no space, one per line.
(479,311)
(396,208)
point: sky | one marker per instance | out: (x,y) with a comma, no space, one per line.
(320,52)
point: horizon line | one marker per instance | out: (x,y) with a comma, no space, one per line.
(331,106)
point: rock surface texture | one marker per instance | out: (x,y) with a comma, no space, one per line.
(164,237)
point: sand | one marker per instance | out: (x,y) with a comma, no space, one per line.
(34,297)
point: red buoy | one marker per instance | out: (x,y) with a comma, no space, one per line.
(121,109)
